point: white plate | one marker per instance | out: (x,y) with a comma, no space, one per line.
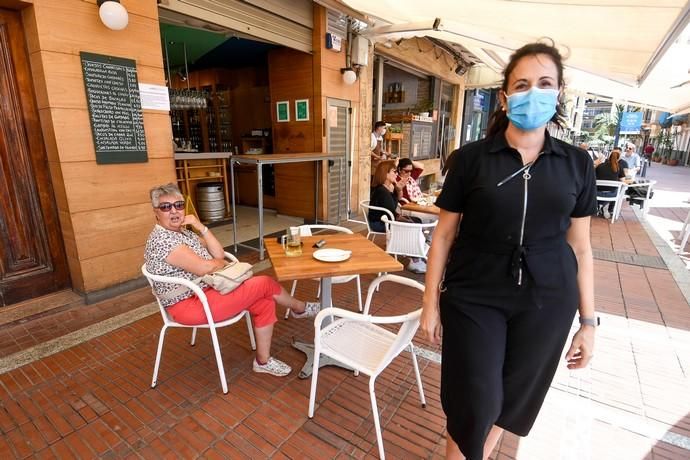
(331,255)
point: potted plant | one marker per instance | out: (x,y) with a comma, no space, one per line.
(424,107)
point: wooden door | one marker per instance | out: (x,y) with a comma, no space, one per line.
(32,256)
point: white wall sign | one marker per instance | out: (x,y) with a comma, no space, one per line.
(154,97)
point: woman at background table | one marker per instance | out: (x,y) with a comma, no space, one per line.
(386,191)
(522,201)
(612,169)
(172,250)
(408,173)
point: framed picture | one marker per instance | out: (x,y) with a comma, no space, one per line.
(282,111)
(302,110)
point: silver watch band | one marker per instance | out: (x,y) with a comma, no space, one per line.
(594,322)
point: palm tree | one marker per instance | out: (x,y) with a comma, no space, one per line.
(607,124)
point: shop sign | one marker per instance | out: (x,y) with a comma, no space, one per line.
(631,122)
(112,94)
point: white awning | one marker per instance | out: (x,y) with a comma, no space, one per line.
(629,50)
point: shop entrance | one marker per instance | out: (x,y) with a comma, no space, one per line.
(32,257)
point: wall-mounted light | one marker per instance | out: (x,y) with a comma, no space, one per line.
(113,15)
(349,75)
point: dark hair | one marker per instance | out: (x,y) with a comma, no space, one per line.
(403,163)
(613,159)
(382,172)
(379,124)
(499,119)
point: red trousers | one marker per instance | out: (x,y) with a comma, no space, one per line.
(255,295)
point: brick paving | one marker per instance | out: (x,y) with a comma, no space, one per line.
(94,399)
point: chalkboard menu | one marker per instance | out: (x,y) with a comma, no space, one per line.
(112,93)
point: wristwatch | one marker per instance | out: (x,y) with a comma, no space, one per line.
(594,322)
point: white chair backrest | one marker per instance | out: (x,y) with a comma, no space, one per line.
(612,183)
(150,277)
(650,187)
(409,322)
(365,207)
(406,238)
(179,281)
(306,230)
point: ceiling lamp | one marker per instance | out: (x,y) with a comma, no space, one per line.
(113,15)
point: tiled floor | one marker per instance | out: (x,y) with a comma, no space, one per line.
(95,400)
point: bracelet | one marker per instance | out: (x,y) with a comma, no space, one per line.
(204,231)
(594,322)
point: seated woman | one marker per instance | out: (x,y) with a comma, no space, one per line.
(611,169)
(172,250)
(385,193)
(408,173)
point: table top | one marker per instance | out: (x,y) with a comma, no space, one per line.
(425,209)
(201,155)
(366,258)
(270,158)
(639,182)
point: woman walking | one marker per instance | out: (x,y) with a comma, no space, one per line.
(511,262)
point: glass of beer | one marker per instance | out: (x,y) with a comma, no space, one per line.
(292,242)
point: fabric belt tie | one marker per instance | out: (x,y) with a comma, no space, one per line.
(516,261)
(519,254)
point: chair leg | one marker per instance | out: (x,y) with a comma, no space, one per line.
(292,293)
(219,359)
(359,293)
(314,378)
(250,329)
(375,414)
(684,240)
(193,342)
(159,352)
(418,375)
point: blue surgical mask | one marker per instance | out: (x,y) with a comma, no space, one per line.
(532,109)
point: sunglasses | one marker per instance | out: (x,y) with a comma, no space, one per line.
(166,207)
(406,171)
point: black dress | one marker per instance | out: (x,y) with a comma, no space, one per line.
(510,290)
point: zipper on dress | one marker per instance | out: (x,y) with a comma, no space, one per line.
(526,176)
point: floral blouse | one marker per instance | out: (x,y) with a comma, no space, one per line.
(160,244)
(411,190)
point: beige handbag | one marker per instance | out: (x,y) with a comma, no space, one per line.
(224,280)
(228,278)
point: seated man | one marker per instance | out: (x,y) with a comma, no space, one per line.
(631,159)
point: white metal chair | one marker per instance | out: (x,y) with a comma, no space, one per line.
(365,207)
(406,238)
(643,202)
(684,234)
(211,325)
(357,340)
(306,230)
(617,199)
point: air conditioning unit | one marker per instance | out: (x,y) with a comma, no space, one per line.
(360,51)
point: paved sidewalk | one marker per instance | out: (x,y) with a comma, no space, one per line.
(94,399)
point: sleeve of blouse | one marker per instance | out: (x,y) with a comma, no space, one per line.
(452,196)
(416,172)
(586,204)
